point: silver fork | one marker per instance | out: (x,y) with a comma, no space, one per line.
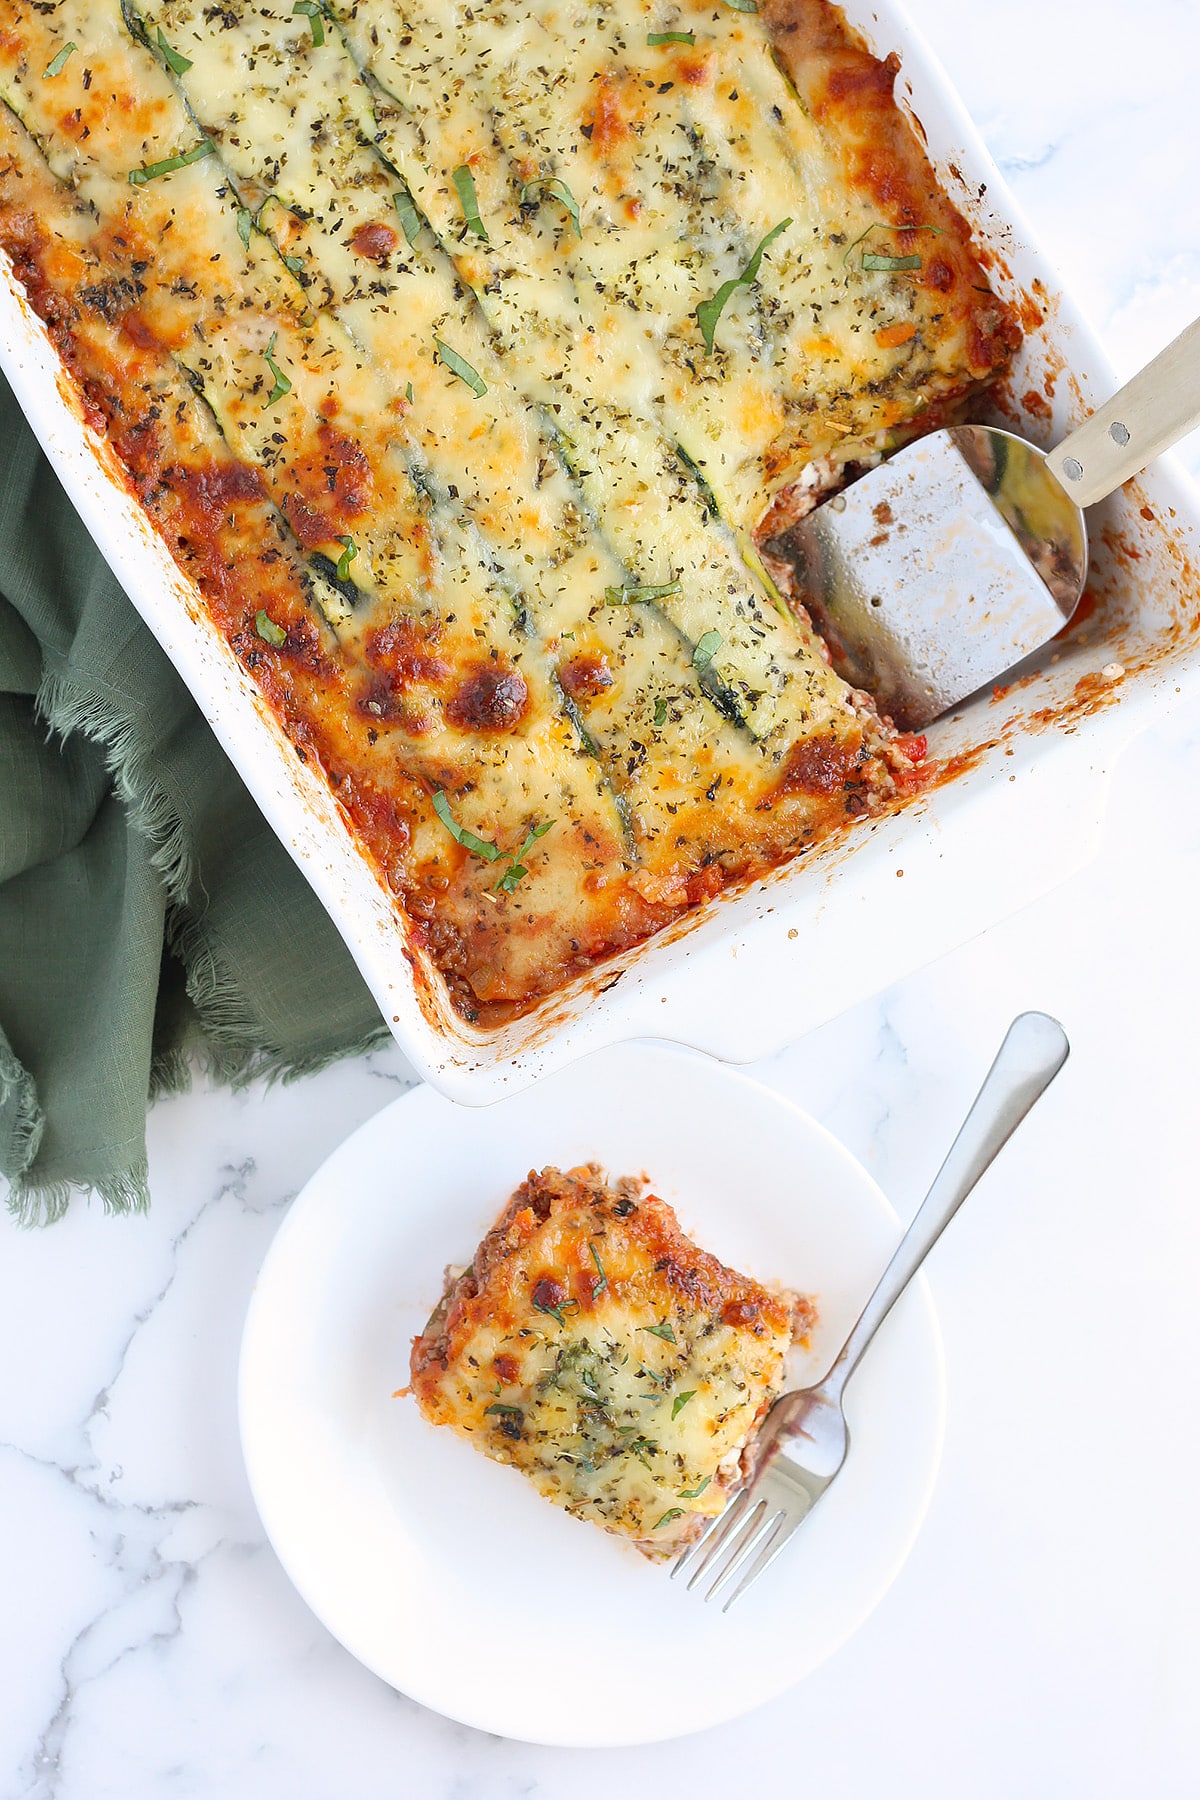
(743,1540)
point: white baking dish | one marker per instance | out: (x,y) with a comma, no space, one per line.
(755,969)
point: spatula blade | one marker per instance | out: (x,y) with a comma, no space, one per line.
(933,575)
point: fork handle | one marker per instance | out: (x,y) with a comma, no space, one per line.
(1035,1048)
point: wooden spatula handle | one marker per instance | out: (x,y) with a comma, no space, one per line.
(1151,412)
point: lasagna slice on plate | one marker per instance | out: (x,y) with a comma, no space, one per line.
(596,1348)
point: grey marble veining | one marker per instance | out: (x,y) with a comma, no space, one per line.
(1040,1640)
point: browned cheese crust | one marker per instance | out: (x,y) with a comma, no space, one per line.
(469,485)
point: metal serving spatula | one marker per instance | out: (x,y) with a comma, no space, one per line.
(931,576)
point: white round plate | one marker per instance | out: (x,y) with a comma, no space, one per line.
(447,1574)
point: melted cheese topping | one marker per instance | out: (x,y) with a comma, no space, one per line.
(596,1349)
(411,292)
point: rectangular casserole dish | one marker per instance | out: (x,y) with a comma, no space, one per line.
(755,968)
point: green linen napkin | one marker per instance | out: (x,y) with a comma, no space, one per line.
(149,918)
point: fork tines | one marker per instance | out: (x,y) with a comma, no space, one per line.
(741,1541)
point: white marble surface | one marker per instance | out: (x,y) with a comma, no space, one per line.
(1042,1639)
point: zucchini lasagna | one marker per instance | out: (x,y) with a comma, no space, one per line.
(466,353)
(591,1345)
